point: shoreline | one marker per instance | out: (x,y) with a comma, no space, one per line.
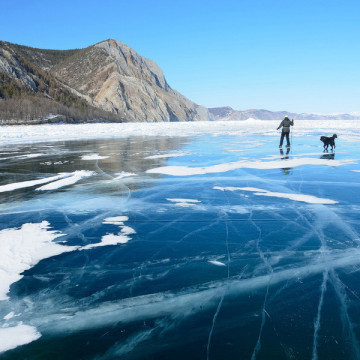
(21,134)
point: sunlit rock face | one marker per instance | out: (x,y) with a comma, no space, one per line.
(120,80)
(11,67)
(109,76)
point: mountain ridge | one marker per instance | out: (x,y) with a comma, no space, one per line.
(107,81)
(227,113)
(108,76)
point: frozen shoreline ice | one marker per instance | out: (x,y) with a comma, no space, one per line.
(349,129)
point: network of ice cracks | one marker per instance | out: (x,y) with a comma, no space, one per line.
(22,247)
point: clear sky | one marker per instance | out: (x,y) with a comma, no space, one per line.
(294,55)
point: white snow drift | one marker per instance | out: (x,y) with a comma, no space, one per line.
(350,129)
(22,248)
(296,197)
(245,164)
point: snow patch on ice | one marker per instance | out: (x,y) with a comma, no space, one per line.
(116,220)
(184,202)
(124,174)
(22,248)
(217,263)
(12,337)
(30,183)
(161,156)
(243,164)
(93,157)
(108,239)
(114,239)
(60,162)
(30,156)
(296,197)
(9,315)
(77,176)
(127,230)
(26,156)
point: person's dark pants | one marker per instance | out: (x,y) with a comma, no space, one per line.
(283,134)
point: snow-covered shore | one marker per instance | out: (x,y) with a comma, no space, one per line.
(349,129)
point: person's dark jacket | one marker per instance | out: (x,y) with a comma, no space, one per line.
(285,124)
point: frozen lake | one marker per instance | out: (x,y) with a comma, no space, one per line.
(137,243)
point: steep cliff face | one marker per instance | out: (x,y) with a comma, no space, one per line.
(13,69)
(121,81)
(29,93)
(109,76)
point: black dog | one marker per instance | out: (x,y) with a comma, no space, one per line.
(329,141)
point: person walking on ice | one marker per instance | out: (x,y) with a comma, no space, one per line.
(285,124)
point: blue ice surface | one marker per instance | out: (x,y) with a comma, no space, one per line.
(288,287)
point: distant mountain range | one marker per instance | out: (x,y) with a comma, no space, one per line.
(228,113)
(107,81)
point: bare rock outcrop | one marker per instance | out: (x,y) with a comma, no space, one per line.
(108,76)
(10,66)
(121,81)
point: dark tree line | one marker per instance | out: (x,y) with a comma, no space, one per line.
(24,104)
(41,57)
(35,110)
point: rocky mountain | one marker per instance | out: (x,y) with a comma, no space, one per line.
(109,77)
(107,81)
(228,113)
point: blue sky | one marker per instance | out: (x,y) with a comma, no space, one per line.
(294,55)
